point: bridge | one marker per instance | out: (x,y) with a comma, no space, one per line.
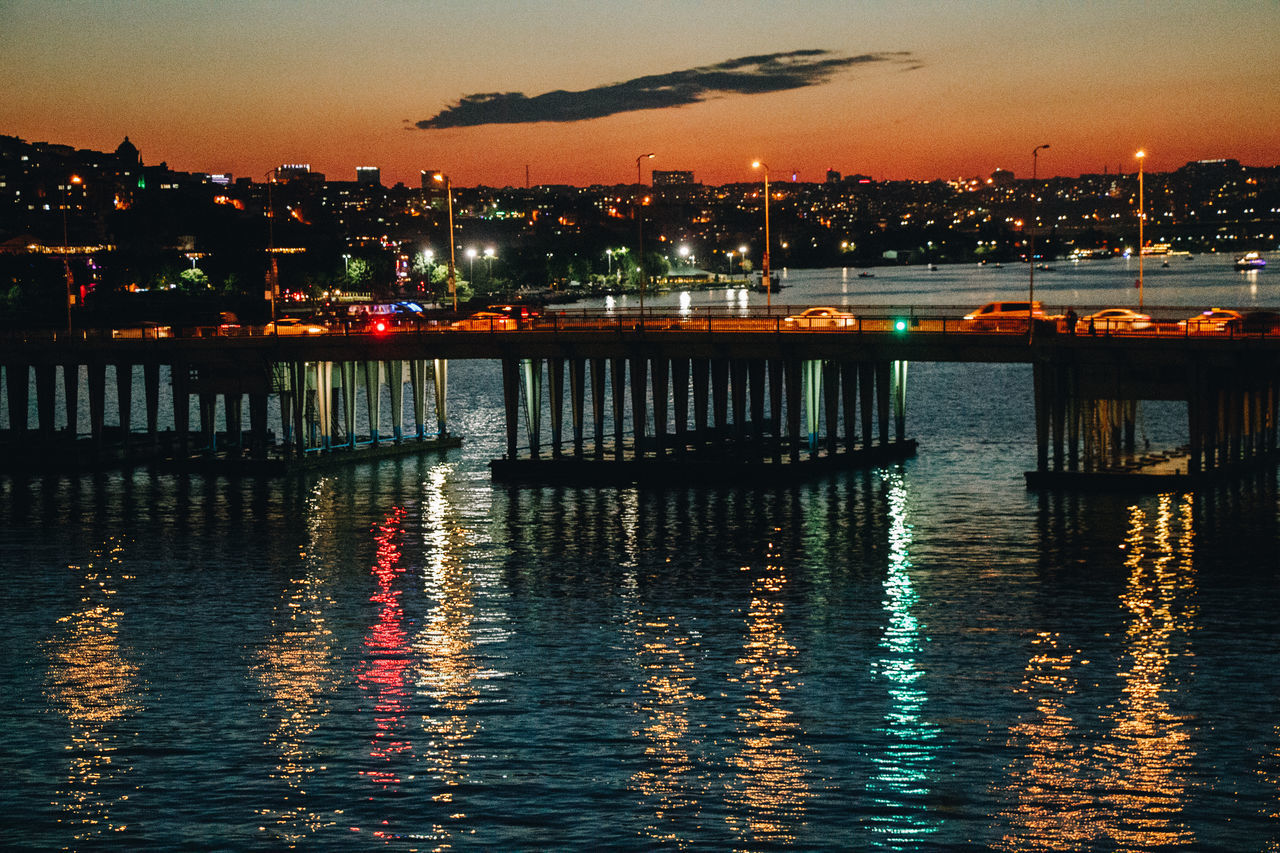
(658,396)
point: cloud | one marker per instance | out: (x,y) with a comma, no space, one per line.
(747,75)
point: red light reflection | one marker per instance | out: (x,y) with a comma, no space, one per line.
(382,674)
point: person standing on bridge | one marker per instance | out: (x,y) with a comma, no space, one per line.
(1071,321)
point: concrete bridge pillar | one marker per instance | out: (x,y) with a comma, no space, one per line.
(555,396)
(659,370)
(639,407)
(680,403)
(531,368)
(598,370)
(395,385)
(373,397)
(17,383)
(440,373)
(701,372)
(849,395)
(151,393)
(97,381)
(71,395)
(46,385)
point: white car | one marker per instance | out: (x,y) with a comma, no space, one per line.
(821,317)
(1004,316)
(1113,320)
(292,326)
(1211,321)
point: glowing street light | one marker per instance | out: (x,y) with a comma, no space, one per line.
(1031,243)
(471,257)
(66,263)
(768,283)
(640,226)
(448,190)
(1142,217)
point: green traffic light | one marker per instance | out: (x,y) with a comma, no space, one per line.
(899,325)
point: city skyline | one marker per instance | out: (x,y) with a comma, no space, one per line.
(497,94)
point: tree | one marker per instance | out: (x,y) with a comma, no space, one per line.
(359,274)
(193,280)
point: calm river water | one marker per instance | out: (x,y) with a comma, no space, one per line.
(402,655)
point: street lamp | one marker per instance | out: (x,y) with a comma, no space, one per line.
(471,259)
(640,227)
(1142,218)
(1031,243)
(742,259)
(66,263)
(768,282)
(448,190)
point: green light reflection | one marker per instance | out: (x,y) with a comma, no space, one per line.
(900,785)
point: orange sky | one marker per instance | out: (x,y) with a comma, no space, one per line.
(241,87)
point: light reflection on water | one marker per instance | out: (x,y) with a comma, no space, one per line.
(1147,752)
(767,799)
(299,675)
(404,654)
(94,686)
(905,765)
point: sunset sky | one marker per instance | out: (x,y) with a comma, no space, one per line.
(575,91)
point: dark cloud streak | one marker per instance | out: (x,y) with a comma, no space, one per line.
(747,75)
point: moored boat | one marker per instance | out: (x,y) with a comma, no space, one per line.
(1250,261)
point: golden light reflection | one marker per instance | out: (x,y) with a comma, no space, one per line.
(769,795)
(1053,809)
(446,667)
(667,783)
(296,668)
(1147,754)
(904,769)
(384,671)
(94,686)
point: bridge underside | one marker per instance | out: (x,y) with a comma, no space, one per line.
(299,413)
(1086,424)
(655,419)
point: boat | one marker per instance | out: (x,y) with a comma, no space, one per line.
(865,274)
(1250,261)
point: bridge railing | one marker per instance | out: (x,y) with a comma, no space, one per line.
(932,320)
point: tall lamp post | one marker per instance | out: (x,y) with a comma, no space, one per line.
(1142,218)
(273,271)
(1031,243)
(448,191)
(640,227)
(66,263)
(768,282)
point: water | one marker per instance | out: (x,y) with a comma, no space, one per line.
(404,656)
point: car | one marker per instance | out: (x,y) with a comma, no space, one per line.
(293,326)
(998,316)
(1260,323)
(145,329)
(1110,320)
(1211,321)
(485,321)
(522,313)
(821,317)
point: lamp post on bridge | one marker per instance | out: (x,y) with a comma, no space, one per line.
(1142,218)
(1031,244)
(66,262)
(768,282)
(640,228)
(448,190)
